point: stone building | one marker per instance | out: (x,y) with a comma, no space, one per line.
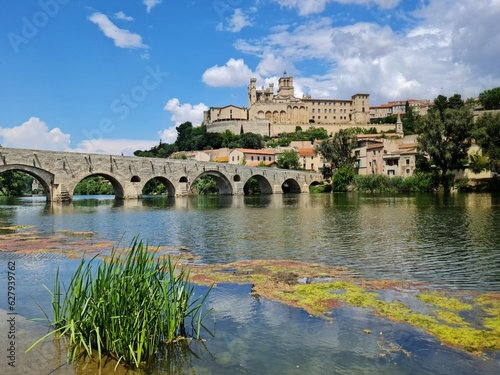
(419,107)
(284,108)
(270,113)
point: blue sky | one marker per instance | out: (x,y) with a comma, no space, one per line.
(117,76)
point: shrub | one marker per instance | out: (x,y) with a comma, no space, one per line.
(325,188)
(419,182)
(342,178)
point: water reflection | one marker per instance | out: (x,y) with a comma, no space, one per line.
(448,241)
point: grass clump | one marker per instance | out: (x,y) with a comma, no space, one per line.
(126,307)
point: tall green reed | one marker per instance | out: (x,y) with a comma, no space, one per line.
(126,307)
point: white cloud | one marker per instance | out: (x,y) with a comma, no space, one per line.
(234,74)
(238,21)
(150,4)
(121,37)
(122,16)
(114,146)
(273,65)
(184,112)
(168,135)
(448,47)
(34,134)
(307,7)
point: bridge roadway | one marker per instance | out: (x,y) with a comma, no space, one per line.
(60,172)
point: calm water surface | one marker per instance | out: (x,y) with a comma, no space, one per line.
(445,241)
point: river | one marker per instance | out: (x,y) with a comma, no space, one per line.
(446,242)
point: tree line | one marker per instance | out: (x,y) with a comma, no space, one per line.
(191,138)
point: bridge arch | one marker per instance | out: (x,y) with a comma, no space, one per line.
(117,186)
(224,185)
(46,179)
(291,185)
(264,185)
(165,181)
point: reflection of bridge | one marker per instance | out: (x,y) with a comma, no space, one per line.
(60,172)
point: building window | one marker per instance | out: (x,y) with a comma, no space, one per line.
(238,157)
(407,161)
(356,154)
(313,110)
(232,158)
(251,157)
(408,171)
(330,110)
(258,158)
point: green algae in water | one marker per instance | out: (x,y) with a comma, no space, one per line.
(448,303)
(441,316)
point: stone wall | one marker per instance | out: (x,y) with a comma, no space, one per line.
(263,128)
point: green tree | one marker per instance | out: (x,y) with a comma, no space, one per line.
(206,185)
(455,102)
(252,187)
(154,187)
(487,135)
(289,159)
(490,99)
(251,140)
(94,185)
(343,177)
(184,136)
(409,120)
(339,149)
(445,136)
(229,139)
(14,183)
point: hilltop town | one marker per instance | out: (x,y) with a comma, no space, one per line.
(382,148)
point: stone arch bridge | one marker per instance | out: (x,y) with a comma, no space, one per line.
(60,172)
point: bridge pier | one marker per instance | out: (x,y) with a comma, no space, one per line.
(238,188)
(182,189)
(277,189)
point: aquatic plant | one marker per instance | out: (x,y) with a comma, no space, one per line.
(125,307)
(319,289)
